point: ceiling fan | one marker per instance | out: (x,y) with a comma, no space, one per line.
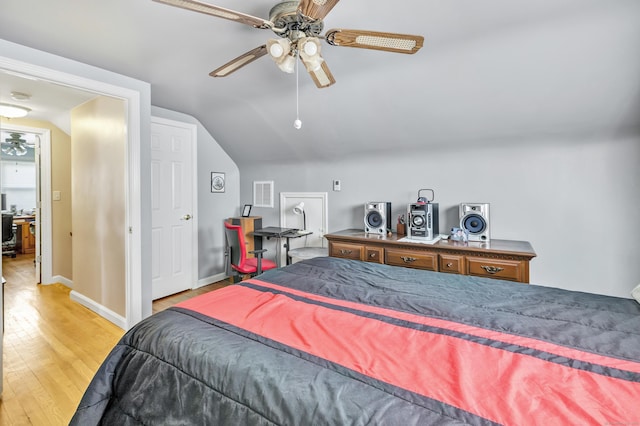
(299,25)
(15,145)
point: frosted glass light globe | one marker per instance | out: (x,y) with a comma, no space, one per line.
(297,124)
(310,48)
(276,50)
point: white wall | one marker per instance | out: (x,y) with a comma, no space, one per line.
(575,201)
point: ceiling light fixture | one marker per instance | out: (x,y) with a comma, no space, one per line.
(280,51)
(20,96)
(310,53)
(13,111)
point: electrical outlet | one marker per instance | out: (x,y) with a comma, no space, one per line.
(336,185)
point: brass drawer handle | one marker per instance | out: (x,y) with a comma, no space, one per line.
(372,255)
(345,251)
(492,269)
(449,265)
(408,259)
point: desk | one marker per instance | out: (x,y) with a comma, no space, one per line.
(280,233)
(25,240)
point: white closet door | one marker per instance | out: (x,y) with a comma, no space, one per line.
(173,192)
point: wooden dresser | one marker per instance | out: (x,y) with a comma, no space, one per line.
(501,259)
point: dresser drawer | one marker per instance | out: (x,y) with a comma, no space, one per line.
(346,251)
(411,259)
(504,259)
(374,254)
(496,268)
(451,263)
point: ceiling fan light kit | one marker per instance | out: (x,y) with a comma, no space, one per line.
(299,24)
(311,46)
(310,53)
(14,145)
(288,64)
(276,49)
(280,51)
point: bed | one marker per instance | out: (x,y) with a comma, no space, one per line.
(330,341)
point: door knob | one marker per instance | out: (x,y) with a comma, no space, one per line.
(186,217)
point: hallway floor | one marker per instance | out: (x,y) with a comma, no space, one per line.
(51,348)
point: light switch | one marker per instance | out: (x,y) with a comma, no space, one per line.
(56,196)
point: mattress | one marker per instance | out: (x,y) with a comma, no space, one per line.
(330,341)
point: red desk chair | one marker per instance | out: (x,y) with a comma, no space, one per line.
(237,252)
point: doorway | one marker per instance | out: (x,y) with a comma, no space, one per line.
(137,302)
(131,93)
(25,179)
(308,212)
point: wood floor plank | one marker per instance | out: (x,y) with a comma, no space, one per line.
(52,346)
(11,412)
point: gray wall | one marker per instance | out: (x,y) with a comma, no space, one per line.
(576,201)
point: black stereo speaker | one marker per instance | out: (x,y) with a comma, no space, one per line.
(423,221)
(377,217)
(474,218)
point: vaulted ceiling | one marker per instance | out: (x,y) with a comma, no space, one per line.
(492,71)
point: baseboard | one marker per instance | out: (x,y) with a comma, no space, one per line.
(210,280)
(104,312)
(109,314)
(59,279)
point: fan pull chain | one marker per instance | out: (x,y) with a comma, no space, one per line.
(297,123)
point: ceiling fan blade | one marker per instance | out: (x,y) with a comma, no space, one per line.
(390,42)
(239,62)
(322,76)
(316,9)
(219,12)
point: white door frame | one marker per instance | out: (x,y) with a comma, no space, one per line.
(133,198)
(194,185)
(43,216)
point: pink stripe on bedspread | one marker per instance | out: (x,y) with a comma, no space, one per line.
(500,385)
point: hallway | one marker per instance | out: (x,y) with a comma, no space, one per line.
(51,348)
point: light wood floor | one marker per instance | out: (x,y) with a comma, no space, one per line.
(52,346)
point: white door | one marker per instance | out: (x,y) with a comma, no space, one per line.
(173,201)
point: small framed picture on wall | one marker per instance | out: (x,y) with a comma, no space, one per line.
(246,210)
(217,182)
